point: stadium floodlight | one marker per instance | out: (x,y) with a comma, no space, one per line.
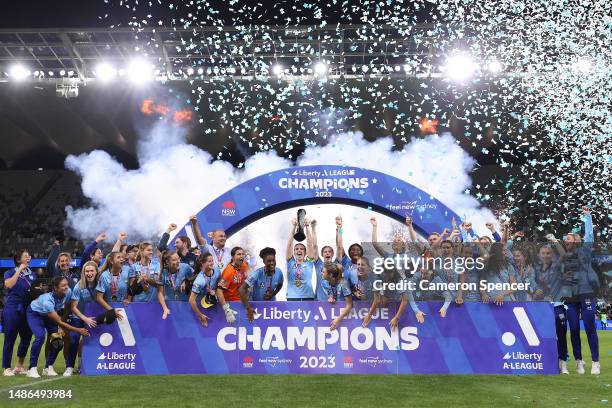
(583,65)
(320,68)
(190,71)
(277,70)
(139,71)
(51,73)
(200,71)
(19,72)
(495,66)
(459,67)
(62,72)
(105,72)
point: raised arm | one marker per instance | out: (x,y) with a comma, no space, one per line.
(587,218)
(313,240)
(309,243)
(91,247)
(163,241)
(411,233)
(289,251)
(339,242)
(375,242)
(196,230)
(52,259)
(120,240)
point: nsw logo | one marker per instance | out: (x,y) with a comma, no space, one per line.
(247,362)
(228,208)
(348,362)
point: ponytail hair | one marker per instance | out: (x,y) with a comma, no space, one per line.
(166,258)
(55,282)
(141,247)
(108,261)
(334,270)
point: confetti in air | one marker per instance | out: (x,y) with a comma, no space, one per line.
(522,85)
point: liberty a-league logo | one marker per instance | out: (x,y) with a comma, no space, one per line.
(228,208)
(519,360)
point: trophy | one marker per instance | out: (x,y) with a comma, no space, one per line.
(299,234)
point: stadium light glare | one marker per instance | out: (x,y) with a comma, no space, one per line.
(19,72)
(190,71)
(277,70)
(459,67)
(200,71)
(62,72)
(495,66)
(139,71)
(105,72)
(320,68)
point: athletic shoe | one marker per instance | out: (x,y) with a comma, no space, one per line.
(595,370)
(20,370)
(8,372)
(563,367)
(49,371)
(68,372)
(580,366)
(32,373)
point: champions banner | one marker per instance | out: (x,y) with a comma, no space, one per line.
(294,338)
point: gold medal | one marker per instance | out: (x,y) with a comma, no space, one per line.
(298,283)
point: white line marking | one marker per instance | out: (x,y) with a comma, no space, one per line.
(526,327)
(60,377)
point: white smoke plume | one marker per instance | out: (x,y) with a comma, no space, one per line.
(176,179)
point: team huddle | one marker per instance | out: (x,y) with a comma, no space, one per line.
(209,274)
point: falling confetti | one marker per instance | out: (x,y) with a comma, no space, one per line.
(535,102)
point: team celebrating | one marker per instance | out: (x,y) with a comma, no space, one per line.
(209,274)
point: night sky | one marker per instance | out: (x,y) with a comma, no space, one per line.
(52,13)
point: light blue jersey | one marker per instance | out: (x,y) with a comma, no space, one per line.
(152,271)
(503,276)
(204,283)
(83,295)
(115,288)
(320,293)
(340,291)
(49,302)
(364,285)
(172,282)
(221,256)
(302,287)
(261,282)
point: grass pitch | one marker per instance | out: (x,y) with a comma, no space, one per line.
(248,391)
